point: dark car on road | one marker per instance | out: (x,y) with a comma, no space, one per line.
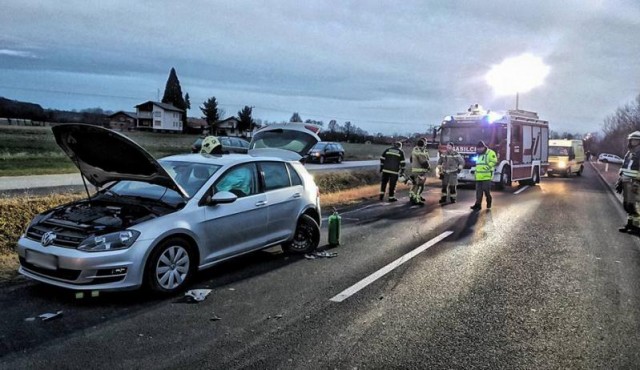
(229,145)
(326,151)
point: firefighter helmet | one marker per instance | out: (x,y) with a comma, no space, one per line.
(634,135)
(211,145)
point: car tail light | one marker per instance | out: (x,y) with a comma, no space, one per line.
(314,129)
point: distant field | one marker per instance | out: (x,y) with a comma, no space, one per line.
(33,150)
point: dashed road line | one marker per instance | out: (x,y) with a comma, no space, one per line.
(388,268)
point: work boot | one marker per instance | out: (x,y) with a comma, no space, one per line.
(627,228)
(489,204)
(381,197)
(476,207)
(392,199)
(453,200)
(442,200)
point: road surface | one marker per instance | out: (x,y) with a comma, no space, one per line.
(543,280)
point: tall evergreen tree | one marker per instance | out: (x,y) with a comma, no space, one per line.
(187,101)
(210,112)
(173,95)
(245,121)
(295,117)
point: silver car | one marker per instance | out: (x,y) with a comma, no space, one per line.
(155,223)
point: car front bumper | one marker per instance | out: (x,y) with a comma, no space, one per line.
(77,270)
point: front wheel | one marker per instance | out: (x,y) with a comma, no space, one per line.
(340,159)
(306,237)
(505,178)
(321,159)
(170,266)
(536,176)
(579,173)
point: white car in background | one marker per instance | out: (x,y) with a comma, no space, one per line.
(609,158)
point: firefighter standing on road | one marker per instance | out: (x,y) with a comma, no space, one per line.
(450,164)
(391,165)
(629,183)
(419,167)
(485,165)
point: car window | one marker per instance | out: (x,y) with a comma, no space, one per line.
(297,141)
(295,177)
(239,180)
(225,141)
(190,176)
(275,175)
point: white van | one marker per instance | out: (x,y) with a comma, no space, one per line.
(566,157)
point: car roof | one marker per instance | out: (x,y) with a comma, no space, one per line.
(221,159)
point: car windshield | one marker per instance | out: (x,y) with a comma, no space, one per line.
(558,150)
(190,176)
(296,141)
(319,146)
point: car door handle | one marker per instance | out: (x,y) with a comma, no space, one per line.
(296,195)
(261,203)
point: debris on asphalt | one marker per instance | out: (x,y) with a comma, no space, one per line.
(215,318)
(195,295)
(232,289)
(30,319)
(321,254)
(50,316)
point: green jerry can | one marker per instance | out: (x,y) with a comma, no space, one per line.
(334,228)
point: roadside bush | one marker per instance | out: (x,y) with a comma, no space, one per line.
(331,182)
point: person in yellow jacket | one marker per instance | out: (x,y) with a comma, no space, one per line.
(629,183)
(450,164)
(419,167)
(391,165)
(485,165)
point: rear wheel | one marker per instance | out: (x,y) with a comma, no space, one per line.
(306,237)
(170,266)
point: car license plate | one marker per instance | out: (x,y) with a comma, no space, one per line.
(47,261)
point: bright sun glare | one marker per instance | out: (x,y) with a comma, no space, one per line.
(517,75)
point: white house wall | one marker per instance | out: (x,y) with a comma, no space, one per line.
(166,120)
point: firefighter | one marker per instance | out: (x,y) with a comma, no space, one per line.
(391,165)
(211,145)
(450,164)
(485,165)
(419,167)
(629,183)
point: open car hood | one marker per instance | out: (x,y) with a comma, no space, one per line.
(103,156)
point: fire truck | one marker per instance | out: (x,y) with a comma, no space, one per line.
(519,138)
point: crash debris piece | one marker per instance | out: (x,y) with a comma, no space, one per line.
(196,295)
(50,316)
(320,254)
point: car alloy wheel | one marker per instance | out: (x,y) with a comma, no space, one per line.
(306,237)
(170,266)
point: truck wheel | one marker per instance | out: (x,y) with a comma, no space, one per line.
(536,176)
(505,178)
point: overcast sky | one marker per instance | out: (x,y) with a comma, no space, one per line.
(386,66)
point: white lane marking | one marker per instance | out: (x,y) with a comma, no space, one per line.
(390,267)
(521,190)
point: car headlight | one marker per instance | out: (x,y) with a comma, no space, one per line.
(562,164)
(108,242)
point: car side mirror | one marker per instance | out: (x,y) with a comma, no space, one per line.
(222,197)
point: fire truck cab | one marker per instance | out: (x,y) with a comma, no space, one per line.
(519,138)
